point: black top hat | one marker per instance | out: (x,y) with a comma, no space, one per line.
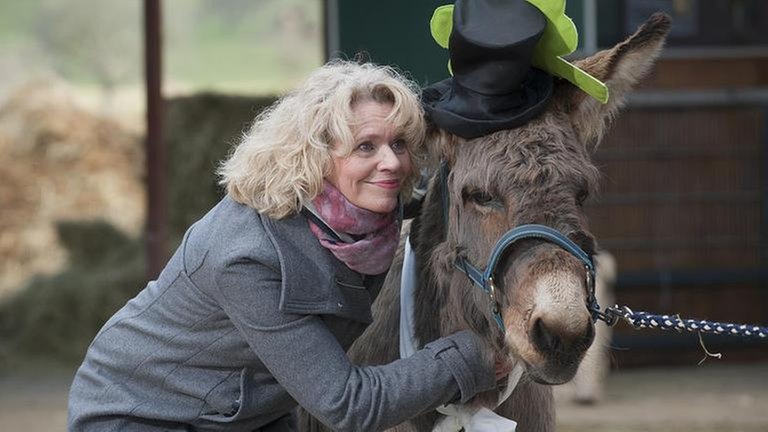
(494,86)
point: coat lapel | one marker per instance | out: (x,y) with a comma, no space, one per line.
(314,281)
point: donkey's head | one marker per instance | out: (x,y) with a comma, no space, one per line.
(539,173)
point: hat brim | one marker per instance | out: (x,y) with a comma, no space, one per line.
(469,114)
(562,68)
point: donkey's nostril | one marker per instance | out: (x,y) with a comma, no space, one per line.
(551,337)
(544,339)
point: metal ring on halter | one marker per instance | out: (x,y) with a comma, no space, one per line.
(495,312)
(592,304)
(492,295)
(491,289)
(610,316)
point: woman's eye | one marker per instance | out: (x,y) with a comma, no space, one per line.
(399,146)
(366,147)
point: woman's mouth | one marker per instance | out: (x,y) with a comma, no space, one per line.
(387,184)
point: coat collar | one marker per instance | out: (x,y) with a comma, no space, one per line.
(314,281)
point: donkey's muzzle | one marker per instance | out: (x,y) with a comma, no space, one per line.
(560,346)
(552,340)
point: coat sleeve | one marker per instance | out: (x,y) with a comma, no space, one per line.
(307,360)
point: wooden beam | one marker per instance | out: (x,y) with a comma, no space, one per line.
(157,187)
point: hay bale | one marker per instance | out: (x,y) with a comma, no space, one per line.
(56,316)
(60,162)
(200,131)
(99,260)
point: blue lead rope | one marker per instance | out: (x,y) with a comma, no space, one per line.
(643,320)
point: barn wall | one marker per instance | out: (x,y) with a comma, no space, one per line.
(683,204)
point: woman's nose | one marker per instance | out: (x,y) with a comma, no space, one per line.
(389,160)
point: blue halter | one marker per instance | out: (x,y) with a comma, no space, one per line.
(484,278)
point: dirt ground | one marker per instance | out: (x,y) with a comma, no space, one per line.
(707,398)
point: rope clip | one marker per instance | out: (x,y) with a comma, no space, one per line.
(610,316)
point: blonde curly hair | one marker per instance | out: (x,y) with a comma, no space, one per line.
(280,164)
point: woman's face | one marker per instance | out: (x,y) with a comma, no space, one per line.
(372,175)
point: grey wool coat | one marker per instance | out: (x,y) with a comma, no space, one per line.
(250,317)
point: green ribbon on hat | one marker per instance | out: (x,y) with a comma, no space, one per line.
(560,38)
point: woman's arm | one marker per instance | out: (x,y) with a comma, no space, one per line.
(306,359)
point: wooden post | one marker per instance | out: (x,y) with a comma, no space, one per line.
(157,188)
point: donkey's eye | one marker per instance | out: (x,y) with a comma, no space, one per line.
(582,196)
(482,199)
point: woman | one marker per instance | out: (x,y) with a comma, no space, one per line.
(255,310)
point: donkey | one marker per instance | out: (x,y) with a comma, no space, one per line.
(539,173)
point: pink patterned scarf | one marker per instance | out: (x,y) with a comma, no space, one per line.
(375,234)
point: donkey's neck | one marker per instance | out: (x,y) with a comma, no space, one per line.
(440,311)
(427,231)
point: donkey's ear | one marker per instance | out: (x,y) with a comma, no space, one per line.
(620,67)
